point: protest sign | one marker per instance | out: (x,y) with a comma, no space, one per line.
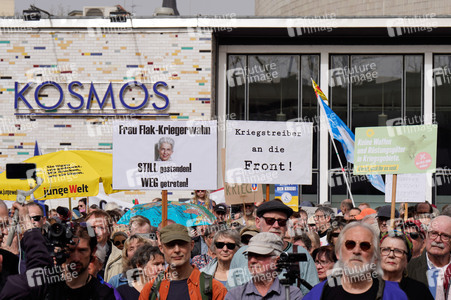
(240,193)
(288,194)
(409,188)
(269,152)
(395,149)
(165,155)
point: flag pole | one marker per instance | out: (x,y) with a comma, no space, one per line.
(333,143)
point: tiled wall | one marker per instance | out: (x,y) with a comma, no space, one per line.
(180,59)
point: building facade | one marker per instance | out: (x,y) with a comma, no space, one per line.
(375,71)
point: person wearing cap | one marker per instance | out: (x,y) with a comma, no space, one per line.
(263,252)
(396,251)
(247,233)
(181,279)
(272,216)
(433,265)
(221,212)
(383,218)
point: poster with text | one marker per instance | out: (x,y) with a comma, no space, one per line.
(269,152)
(288,194)
(165,155)
(409,188)
(395,149)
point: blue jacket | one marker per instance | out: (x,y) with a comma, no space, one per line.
(392,291)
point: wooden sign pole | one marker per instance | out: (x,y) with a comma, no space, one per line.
(406,211)
(164,208)
(267,193)
(393,201)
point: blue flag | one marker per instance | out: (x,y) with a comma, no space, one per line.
(341,132)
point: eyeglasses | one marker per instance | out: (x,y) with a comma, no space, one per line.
(220,245)
(117,243)
(335,234)
(317,217)
(364,246)
(36,218)
(443,236)
(271,221)
(322,263)
(397,252)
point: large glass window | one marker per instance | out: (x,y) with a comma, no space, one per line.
(371,90)
(275,88)
(441,82)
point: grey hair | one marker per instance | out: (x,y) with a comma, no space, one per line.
(448,218)
(166,140)
(376,259)
(228,233)
(328,212)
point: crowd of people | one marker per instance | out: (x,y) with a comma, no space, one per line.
(253,251)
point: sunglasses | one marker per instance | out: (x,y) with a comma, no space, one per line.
(271,221)
(36,218)
(335,234)
(364,246)
(221,245)
(117,243)
(414,235)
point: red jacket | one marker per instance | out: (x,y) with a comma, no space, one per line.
(219,291)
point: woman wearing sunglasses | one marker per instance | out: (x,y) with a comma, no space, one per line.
(225,244)
(396,251)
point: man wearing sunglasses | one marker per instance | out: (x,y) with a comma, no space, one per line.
(263,252)
(431,267)
(357,274)
(272,216)
(36,214)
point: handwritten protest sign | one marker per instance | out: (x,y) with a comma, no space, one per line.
(409,188)
(165,155)
(269,152)
(395,149)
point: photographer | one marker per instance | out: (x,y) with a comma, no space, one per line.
(44,279)
(263,252)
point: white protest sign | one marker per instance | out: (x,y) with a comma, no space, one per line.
(409,187)
(269,152)
(165,155)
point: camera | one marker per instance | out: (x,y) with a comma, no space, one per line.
(290,263)
(58,236)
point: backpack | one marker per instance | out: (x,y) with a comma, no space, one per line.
(205,284)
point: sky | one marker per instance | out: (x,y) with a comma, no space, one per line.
(146,7)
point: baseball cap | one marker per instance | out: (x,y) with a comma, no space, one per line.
(220,208)
(274,205)
(174,232)
(365,212)
(265,243)
(385,212)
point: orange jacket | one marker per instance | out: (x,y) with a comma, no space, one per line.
(219,291)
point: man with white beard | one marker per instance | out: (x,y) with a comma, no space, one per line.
(357,273)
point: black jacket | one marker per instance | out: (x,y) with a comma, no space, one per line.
(34,284)
(417,268)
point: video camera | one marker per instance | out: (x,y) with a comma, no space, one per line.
(58,236)
(290,263)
